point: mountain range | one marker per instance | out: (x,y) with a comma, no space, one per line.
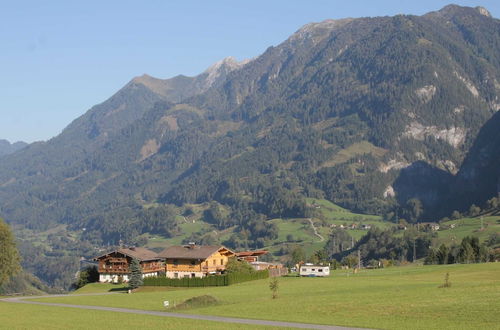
(7,148)
(369,113)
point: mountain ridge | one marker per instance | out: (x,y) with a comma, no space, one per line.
(318,115)
(7,148)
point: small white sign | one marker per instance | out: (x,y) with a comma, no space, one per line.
(165,303)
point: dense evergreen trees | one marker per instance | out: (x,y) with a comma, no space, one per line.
(135,276)
(469,251)
(9,257)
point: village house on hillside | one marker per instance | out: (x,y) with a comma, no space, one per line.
(114,265)
(195,260)
(252,257)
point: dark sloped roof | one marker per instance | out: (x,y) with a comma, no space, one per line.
(141,254)
(190,252)
(251,253)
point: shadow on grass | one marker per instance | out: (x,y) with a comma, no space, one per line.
(122,289)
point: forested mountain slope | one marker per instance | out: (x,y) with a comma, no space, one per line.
(369,113)
(479,177)
(7,148)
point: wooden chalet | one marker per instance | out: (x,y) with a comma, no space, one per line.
(195,260)
(116,264)
(250,256)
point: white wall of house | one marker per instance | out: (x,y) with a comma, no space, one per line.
(172,274)
(144,275)
(113,278)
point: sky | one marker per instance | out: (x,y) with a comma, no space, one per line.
(59,58)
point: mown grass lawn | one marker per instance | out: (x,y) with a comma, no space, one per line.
(393,298)
(102,287)
(23,316)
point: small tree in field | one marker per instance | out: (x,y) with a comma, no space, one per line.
(135,274)
(447,282)
(273,285)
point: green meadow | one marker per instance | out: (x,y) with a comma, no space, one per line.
(23,316)
(469,227)
(406,297)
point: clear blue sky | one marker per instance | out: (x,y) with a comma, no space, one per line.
(59,58)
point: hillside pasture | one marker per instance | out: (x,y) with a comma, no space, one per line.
(393,298)
(469,227)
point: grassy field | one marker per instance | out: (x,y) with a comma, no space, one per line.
(355,149)
(21,316)
(469,227)
(187,228)
(392,298)
(101,287)
(334,212)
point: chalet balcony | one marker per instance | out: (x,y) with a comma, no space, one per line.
(113,270)
(209,269)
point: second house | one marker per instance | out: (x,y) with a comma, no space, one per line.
(194,260)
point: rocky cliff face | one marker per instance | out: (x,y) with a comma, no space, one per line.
(479,176)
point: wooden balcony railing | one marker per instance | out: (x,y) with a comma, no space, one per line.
(113,270)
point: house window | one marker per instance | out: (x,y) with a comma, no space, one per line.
(320,270)
(304,269)
(193,275)
(186,276)
(206,263)
(176,275)
(193,262)
(222,262)
(313,270)
(214,261)
(176,261)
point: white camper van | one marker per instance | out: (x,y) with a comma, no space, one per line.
(314,270)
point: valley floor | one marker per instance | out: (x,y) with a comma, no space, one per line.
(393,298)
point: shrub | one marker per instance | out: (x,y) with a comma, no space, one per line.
(198,301)
(447,282)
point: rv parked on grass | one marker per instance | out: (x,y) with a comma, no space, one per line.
(311,270)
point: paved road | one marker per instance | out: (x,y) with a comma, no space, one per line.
(23,300)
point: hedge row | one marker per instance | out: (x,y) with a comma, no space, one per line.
(186,282)
(234,278)
(215,280)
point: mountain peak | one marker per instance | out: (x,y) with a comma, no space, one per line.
(483,11)
(154,84)
(223,67)
(7,148)
(316,31)
(451,10)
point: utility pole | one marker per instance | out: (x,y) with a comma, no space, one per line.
(414,251)
(359,259)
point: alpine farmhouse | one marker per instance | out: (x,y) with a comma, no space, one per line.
(195,260)
(114,266)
